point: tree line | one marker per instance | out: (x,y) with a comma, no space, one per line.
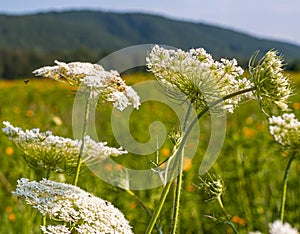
(19,63)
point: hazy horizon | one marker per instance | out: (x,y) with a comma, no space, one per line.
(269,19)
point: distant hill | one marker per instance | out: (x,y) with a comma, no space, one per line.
(102,32)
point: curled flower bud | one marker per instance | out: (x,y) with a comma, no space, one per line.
(79,211)
(271,85)
(211,188)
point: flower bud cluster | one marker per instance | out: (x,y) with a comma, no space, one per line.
(211,188)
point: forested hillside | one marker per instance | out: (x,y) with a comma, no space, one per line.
(28,41)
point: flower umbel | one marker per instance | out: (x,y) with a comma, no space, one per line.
(77,210)
(271,85)
(282,228)
(285,130)
(108,85)
(51,229)
(195,76)
(54,153)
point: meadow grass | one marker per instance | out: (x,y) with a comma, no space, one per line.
(250,163)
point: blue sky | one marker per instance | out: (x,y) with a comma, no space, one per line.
(273,19)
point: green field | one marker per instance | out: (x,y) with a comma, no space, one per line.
(250,163)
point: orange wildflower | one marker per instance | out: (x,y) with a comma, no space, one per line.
(8,209)
(11,217)
(118,167)
(238,220)
(190,188)
(248,132)
(187,163)
(296,105)
(9,150)
(132,205)
(165,152)
(29,113)
(108,167)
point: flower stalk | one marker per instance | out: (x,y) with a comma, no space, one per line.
(166,189)
(284,187)
(219,199)
(175,221)
(158,209)
(84,134)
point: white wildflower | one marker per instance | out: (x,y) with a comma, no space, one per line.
(77,209)
(256,232)
(55,153)
(285,129)
(282,228)
(271,84)
(70,73)
(108,85)
(58,229)
(196,76)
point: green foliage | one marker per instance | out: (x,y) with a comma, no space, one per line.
(250,164)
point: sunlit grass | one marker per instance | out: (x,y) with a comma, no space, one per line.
(249,163)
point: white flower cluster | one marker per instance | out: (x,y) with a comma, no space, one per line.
(285,129)
(106,84)
(195,75)
(56,153)
(51,229)
(272,86)
(78,210)
(282,228)
(278,227)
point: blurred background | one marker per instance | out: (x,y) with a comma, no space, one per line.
(35,33)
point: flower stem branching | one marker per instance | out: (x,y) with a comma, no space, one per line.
(228,221)
(166,189)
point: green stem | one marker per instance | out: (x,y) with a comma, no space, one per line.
(166,189)
(140,201)
(143,205)
(219,199)
(284,189)
(212,104)
(86,117)
(175,220)
(44,222)
(48,174)
(177,195)
(157,211)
